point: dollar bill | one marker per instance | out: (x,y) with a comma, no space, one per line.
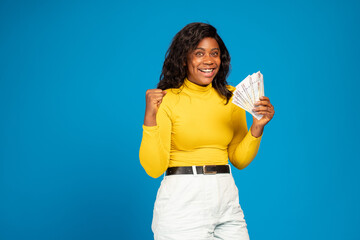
(249,91)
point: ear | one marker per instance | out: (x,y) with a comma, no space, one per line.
(185,60)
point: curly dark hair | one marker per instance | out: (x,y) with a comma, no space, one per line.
(185,41)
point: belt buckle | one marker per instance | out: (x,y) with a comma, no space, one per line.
(205,172)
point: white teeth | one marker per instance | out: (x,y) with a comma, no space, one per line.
(207,70)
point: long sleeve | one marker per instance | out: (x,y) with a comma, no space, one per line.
(243,147)
(155,145)
(196,127)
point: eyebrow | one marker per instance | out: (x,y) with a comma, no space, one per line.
(204,49)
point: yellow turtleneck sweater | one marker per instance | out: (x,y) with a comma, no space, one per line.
(195,127)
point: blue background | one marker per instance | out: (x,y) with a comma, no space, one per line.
(73,76)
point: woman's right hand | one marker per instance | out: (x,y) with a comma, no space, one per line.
(153,100)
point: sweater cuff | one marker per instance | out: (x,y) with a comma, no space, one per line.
(150,128)
(250,137)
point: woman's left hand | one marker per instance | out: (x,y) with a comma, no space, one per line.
(265,108)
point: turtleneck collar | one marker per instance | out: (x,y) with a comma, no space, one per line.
(195,87)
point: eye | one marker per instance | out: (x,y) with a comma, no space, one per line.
(199,54)
(215,54)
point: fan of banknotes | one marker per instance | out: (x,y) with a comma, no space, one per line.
(249,91)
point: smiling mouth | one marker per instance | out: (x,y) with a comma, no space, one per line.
(207,70)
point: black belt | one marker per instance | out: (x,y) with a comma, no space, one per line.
(207,169)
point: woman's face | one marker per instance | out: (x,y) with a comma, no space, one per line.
(204,62)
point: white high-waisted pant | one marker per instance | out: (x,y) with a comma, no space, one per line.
(198,207)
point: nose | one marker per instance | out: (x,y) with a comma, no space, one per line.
(208,60)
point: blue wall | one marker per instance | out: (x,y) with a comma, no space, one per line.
(73,76)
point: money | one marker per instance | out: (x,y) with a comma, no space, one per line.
(249,91)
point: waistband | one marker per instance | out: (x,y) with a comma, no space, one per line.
(206,170)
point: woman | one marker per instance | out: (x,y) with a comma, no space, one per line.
(190,130)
